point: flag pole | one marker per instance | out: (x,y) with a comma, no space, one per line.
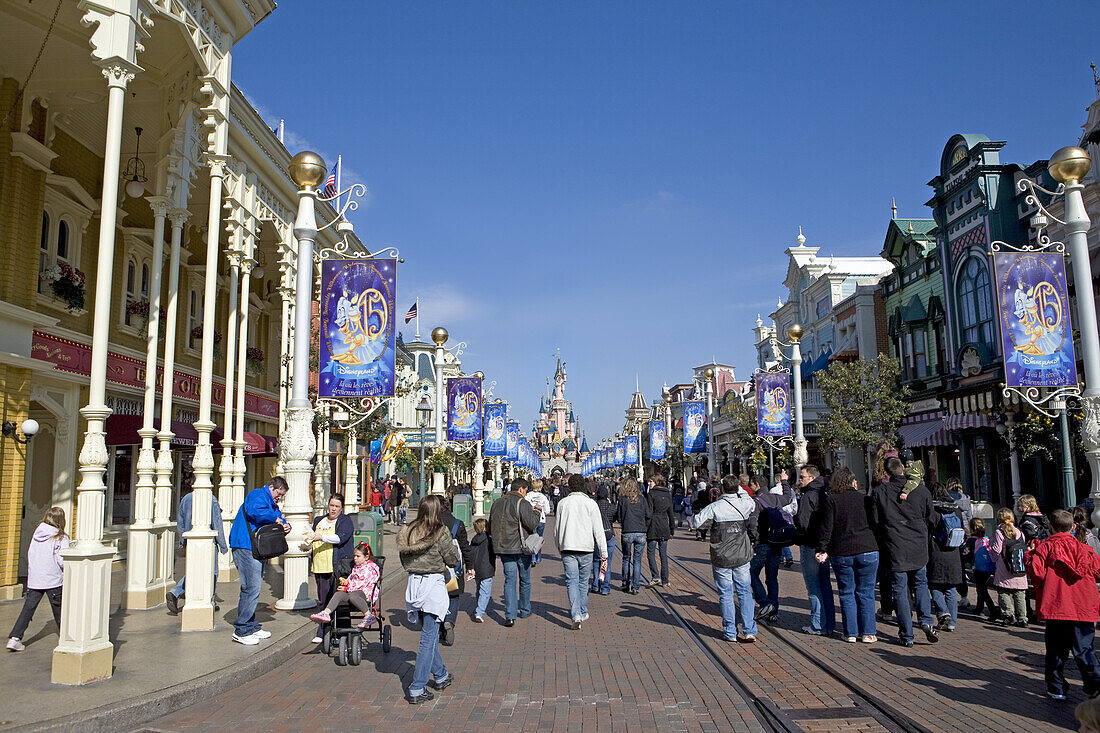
(418,319)
(338,189)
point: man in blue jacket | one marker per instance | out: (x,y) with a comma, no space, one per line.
(259,508)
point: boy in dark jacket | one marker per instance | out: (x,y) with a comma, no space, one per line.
(819,585)
(609,513)
(902,518)
(483,564)
(1065,572)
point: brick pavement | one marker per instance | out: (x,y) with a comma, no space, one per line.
(632,665)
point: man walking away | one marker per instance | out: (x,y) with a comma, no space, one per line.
(776,532)
(508,514)
(661,528)
(1065,572)
(816,575)
(579,533)
(731,522)
(183,524)
(903,514)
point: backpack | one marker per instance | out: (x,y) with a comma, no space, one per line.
(1035,528)
(950,532)
(983,561)
(1013,554)
(781,529)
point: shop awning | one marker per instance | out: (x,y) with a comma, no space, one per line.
(969,420)
(123,430)
(925,434)
(821,362)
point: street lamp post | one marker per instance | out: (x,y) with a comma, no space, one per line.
(794,333)
(479,469)
(423,415)
(439,336)
(1069,166)
(712,456)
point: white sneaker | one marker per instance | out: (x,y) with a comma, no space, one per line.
(14,645)
(317,640)
(250,640)
(584,617)
(261,634)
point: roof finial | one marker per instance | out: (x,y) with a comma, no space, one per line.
(800,238)
(1095,77)
(910,226)
(636,387)
(894,206)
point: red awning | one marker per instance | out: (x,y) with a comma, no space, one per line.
(260,445)
(123,430)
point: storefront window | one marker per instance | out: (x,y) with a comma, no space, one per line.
(121,484)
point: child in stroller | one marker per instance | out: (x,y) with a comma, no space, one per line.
(359,588)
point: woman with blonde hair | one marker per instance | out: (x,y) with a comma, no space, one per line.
(44,573)
(633,516)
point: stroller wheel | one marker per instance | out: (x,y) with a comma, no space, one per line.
(387,639)
(355,653)
(342,652)
(326,641)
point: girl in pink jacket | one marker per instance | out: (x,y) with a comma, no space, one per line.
(359,588)
(44,573)
(1009,579)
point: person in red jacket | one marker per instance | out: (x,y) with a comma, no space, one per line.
(1064,572)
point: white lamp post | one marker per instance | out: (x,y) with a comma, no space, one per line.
(711,455)
(1068,166)
(794,333)
(439,336)
(423,417)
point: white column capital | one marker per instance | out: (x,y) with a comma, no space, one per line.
(178,217)
(118,73)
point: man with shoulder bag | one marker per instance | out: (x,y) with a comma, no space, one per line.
(731,521)
(250,543)
(512,525)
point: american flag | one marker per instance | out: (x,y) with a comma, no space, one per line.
(330,188)
(412,313)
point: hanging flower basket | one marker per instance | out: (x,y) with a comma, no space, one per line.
(67,283)
(254,360)
(196,332)
(139,309)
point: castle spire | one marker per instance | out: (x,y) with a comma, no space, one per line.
(894,207)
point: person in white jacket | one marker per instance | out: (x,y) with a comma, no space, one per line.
(579,533)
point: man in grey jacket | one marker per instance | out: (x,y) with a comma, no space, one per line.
(732,524)
(579,533)
(508,514)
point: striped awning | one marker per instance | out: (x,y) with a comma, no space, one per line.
(972,420)
(927,433)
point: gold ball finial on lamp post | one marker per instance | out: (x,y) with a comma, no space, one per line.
(479,374)
(794,333)
(1070,164)
(307,170)
(440,335)
(709,373)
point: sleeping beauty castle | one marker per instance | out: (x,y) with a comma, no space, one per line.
(557,437)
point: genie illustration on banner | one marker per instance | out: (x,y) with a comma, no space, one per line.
(463,408)
(1035,326)
(631,449)
(656,440)
(357,345)
(512,441)
(496,439)
(773,405)
(620,452)
(695,423)
(376,452)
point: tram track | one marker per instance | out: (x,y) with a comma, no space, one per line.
(865,704)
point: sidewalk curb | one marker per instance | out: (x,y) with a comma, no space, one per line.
(132,712)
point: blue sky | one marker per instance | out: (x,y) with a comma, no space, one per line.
(619,179)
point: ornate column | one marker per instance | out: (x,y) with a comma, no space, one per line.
(297,443)
(142,589)
(801,456)
(321,467)
(1013,457)
(84,652)
(231,500)
(227,466)
(198,611)
(351,473)
(162,494)
(286,295)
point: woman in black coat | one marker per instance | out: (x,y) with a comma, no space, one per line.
(661,527)
(945,568)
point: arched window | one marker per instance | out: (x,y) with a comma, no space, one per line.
(44,248)
(194,319)
(63,240)
(145,281)
(976,303)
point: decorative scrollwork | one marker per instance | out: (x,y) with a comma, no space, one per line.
(457,349)
(776,442)
(357,410)
(1042,245)
(343,250)
(1040,400)
(353,192)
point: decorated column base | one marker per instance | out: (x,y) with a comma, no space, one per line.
(198,610)
(297,446)
(143,591)
(84,652)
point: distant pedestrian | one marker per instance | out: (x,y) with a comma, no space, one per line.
(1083,529)
(633,522)
(259,508)
(731,522)
(328,542)
(775,533)
(661,528)
(427,551)
(945,566)
(1065,573)
(399,496)
(541,503)
(815,575)
(1008,550)
(183,525)
(45,574)
(902,516)
(484,565)
(966,510)
(984,567)
(511,519)
(579,534)
(847,538)
(609,514)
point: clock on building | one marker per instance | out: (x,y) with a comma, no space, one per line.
(959,154)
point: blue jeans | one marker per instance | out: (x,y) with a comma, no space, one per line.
(900,590)
(855,580)
(428,659)
(819,587)
(605,587)
(578,569)
(946,601)
(766,558)
(633,544)
(538,555)
(655,546)
(787,554)
(517,567)
(251,572)
(484,593)
(735,583)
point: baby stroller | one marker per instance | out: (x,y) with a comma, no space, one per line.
(343,635)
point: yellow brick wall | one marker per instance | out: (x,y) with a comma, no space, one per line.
(14,391)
